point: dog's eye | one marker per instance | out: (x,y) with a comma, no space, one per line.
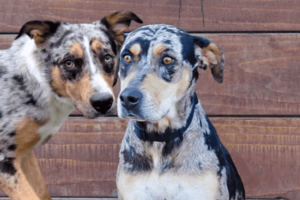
(69,64)
(127,58)
(107,58)
(167,60)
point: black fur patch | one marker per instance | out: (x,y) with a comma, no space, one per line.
(20,82)
(234,182)
(137,162)
(7,166)
(170,146)
(12,147)
(1,115)
(12,134)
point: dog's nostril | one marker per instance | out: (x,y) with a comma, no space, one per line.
(102,102)
(132,99)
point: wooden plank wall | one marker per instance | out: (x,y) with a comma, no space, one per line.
(255,111)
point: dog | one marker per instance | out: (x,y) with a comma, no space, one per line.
(51,68)
(170,150)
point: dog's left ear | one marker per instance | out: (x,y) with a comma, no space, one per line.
(40,31)
(209,55)
(118,22)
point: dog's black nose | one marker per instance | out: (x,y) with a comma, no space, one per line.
(102,102)
(130,97)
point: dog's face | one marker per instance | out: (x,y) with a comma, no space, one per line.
(158,65)
(81,59)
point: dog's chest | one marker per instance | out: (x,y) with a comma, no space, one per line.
(169,186)
(58,113)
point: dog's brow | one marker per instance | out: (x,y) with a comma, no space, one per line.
(96,45)
(77,50)
(135,49)
(159,48)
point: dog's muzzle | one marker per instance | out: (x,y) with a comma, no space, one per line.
(102,102)
(130,97)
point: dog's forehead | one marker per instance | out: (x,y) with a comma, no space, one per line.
(168,35)
(68,34)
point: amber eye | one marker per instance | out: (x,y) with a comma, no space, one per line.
(107,58)
(167,60)
(127,58)
(69,64)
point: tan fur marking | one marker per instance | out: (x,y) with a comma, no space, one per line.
(36,34)
(132,186)
(153,85)
(97,44)
(211,55)
(27,135)
(29,183)
(159,48)
(126,81)
(163,124)
(58,85)
(135,49)
(77,50)
(80,90)
(109,80)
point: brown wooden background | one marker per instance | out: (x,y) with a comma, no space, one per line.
(256,110)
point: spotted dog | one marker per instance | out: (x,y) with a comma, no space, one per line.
(170,150)
(51,68)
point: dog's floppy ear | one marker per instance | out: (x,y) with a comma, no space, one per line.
(40,31)
(118,22)
(209,55)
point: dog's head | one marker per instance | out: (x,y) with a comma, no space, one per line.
(81,59)
(158,69)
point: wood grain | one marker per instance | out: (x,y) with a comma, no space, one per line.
(191,15)
(81,160)
(261,75)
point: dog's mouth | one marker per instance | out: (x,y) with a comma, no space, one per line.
(131,114)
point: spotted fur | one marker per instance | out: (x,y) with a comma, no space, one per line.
(194,166)
(51,68)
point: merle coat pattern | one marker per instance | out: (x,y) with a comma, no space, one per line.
(158,71)
(51,68)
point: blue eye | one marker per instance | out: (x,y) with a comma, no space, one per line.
(107,58)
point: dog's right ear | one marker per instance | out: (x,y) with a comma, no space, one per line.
(118,22)
(208,54)
(40,31)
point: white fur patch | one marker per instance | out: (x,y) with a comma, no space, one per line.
(28,60)
(59,109)
(97,81)
(169,186)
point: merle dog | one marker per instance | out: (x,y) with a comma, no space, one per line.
(51,68)
(170,150)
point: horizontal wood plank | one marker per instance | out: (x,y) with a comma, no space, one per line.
(261,75)
(81,160)
(191,15)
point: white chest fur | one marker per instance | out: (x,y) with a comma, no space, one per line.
(59,110)
(170,186)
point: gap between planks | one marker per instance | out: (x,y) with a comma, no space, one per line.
(66,198)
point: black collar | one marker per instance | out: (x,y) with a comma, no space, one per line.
(169,134)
